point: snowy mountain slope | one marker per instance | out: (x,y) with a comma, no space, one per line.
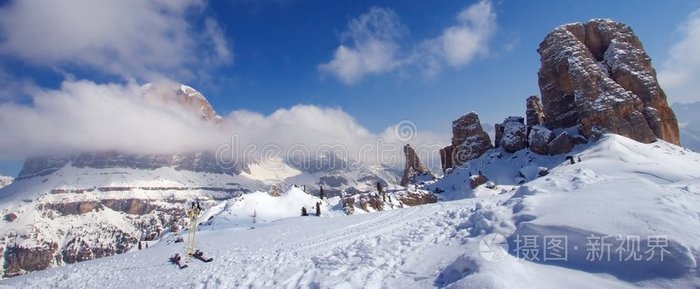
(76,214)
(68,208)
(620,187)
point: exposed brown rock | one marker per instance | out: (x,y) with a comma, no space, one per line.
(446,157)
(561,144)
(597,76)
(514,134)
(349,205)
(469,140)
(539,139)
(130,206)
(20,260)
(414,170)
(72,208)
(10,217)
(499,135)
(371,201)
(534,111)
(78,250)
(477,180)
(417,198)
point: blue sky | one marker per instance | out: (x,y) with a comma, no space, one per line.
(279,46)
(265,55)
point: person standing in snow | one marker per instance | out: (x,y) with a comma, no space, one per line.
(381,191)
(303,211)
(318,209)
(320,193)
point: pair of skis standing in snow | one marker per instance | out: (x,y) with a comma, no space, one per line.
(190,250)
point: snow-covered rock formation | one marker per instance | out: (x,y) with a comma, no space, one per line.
(5,180)
(597,76)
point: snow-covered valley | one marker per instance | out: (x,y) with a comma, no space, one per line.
(619,189)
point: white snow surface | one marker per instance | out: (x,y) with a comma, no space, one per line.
(261,207)
(620,188)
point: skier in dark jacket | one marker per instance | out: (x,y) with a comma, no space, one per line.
(318,209)
(303,211)
(380,190)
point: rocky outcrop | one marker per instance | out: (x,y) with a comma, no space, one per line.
(72,208)
(182,96)
(416,198)
(539,139)
(414,171)
(10,217)
(204,162)
(371,201)
(477,180)
(130,206)
(498,136)
(597,76)
(469,140)
(20,260)
(514,134)
(534,112)
(561,144)
(446,157)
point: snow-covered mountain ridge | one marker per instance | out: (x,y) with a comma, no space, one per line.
(68,208)
(619,188)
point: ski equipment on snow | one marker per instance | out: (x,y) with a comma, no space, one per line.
(175,259)
(200,255)
(194,216)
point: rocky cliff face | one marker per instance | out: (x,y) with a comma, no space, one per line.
(80,213)
(596,75)
(203,162)
(534,112)
(469,141)
(175,94)
(414,170)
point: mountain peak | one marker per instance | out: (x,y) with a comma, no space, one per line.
(182,95)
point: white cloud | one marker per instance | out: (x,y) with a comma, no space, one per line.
(319,128)
(128,38)
(372,48)
(680,74)
(84,116)
(459,44)
(375,47)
